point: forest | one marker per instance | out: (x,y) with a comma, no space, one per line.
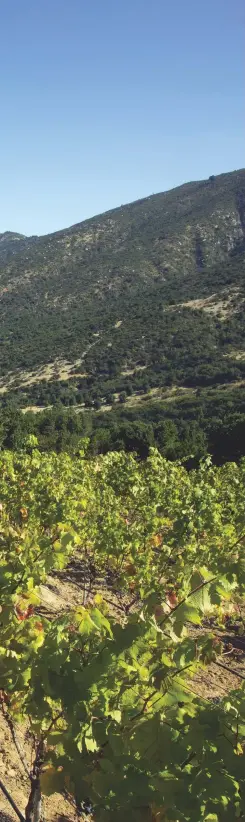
(189,427)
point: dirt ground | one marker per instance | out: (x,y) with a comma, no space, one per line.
(56,808)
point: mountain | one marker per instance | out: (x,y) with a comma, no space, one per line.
(144,298)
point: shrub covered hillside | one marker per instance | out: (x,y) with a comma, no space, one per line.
(141,298)
(108,691)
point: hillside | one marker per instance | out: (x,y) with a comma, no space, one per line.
(129,303)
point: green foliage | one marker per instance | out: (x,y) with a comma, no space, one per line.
(188,427)
(108,694)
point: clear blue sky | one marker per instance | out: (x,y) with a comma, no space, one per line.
(106,101)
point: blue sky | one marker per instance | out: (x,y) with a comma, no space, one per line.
(106,101)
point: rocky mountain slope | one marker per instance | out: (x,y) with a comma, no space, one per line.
(146,295)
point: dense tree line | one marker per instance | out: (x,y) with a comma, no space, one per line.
(187,428)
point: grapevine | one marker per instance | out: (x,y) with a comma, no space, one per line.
(106,689)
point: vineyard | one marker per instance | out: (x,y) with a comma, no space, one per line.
(100,697)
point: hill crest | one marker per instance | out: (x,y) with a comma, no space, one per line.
(96,296)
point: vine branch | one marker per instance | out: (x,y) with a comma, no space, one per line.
(11,802)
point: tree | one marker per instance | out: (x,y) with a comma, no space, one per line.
(167,439)
(123,396)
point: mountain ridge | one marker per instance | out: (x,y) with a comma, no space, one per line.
(189,184)
(98,295)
